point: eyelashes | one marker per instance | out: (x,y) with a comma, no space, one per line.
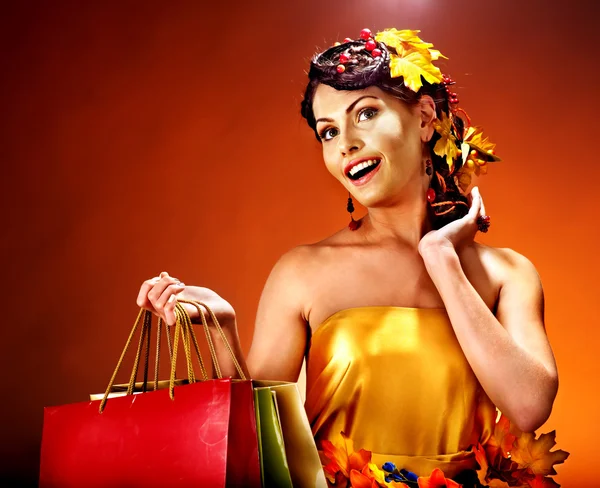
(323,134)
(370,112)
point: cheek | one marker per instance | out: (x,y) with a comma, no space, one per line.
(330,161)
(400,137)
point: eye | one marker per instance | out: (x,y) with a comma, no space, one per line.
(328,134)
(367,113)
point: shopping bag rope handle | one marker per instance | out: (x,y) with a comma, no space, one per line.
(141,314)
(183,326)
(211,346)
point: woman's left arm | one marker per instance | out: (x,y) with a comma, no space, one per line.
(509,353)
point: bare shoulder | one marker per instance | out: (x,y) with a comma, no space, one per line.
(504,260)
(299,266)
(309,256)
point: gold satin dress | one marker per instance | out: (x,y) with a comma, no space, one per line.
(395,380)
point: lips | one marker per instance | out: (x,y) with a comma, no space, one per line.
(362,170)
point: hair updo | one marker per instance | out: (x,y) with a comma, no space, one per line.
(364,70)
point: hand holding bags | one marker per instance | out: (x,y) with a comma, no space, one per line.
(198,434)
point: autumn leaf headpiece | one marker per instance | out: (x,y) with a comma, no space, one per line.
(463,147)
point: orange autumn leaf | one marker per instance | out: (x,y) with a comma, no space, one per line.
(543,482)
(535,454)
(496,483)
(359,480)
(504,436)
(436,480)
(340,481)
(481,458)
(342,457)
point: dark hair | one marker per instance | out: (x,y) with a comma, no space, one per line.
(363,70)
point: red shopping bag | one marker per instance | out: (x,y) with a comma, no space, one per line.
(198,434)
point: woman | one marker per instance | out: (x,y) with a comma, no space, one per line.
(413,332)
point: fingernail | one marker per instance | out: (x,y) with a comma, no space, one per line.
(180,284)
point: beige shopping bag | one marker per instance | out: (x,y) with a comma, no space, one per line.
(300,448)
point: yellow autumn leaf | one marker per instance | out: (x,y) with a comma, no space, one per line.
(475,138)
(435,55)
(412,67)
(446,145)
(413,59)
(535,454)
(394,37)
(464,180)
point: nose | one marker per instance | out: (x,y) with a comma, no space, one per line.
(349,143)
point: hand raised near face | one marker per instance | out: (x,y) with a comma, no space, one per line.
(459,232)
(160,295)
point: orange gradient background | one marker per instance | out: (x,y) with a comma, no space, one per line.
(139,137)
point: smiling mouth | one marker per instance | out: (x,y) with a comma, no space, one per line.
(363,169)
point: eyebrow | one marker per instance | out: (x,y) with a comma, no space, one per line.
(348,110)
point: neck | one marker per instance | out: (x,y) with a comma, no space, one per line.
(402,224)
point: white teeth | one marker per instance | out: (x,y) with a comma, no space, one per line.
(364,164)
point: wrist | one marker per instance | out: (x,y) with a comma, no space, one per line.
(431,249)
(440,258)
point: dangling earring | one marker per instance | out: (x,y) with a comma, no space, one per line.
(430,191)
(353,225)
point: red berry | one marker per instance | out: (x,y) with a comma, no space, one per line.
(430,195)
(376,53)
(341,68)
(365,34)
(347,39)
(370,45)
(344,58)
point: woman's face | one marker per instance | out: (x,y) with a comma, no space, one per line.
(372,143)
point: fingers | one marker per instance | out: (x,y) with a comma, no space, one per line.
(482,220)
(160,286)
(169,311)
(475,208)
(142,298)
(158,295)
(165,304)
(482,212)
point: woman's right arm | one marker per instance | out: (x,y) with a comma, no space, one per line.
(280,332)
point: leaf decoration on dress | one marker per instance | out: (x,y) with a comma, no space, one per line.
(504,436)
(437,480)
(514,459)
(359,480)
(535,454)
(343,459)
(543,482)
(509,459)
